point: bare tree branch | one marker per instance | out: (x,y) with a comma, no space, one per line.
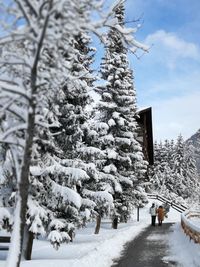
(40,43)
(11,143)
(7,86)
(24,12)
(14,63)
(41,7)
(31,7)
(13,129)
(16,114)
(16,37)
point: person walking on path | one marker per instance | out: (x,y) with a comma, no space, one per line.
(161,215)
(166,207)
(152,211)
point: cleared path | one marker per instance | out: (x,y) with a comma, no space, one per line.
(147,250)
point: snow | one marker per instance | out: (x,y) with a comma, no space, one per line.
(36,214)
(111,123)
(55,236)
(192,219)
(112,154)
(15,238)
(186,252)
(91,151)
(110,169)
(196,221)
(88,247)
(122,140)
(74,173)
(99,195)
(68,195)
(4,214)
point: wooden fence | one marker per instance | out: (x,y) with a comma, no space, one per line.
(189,227)
(4,240)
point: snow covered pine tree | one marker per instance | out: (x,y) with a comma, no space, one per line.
(174,172)
(122,166)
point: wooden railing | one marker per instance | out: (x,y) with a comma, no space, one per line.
(189,227)
(178,207)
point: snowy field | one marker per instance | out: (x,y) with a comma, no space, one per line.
(90,250)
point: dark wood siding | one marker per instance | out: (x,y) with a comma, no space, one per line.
(145,133)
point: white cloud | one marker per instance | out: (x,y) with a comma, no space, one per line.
(175,116)
(169,48)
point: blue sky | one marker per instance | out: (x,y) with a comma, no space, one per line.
(168,77)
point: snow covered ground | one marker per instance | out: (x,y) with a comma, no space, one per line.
(90,250)
(182,250)
(196,221)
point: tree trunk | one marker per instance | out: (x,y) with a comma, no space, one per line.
(27,244)
(71,234)
(20,219)
(14,258)
(115,222)
(24,182)
(98,224)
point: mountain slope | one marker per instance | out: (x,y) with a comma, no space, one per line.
(195,140)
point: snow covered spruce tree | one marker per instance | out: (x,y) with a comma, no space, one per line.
(174,172)
(155,170)
(74,138)
(191,181)
(162,174)
(122,163)
(185,171)
(65,171)
(74,101)
(7,184)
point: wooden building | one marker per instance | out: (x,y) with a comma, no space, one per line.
(145,136)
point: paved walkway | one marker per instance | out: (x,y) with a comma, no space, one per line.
(147,250)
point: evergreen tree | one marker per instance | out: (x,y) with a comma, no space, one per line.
(174,171)
(155,172)
(190,181)
(122,162)
(178,156)
(178,166)
(73,102)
